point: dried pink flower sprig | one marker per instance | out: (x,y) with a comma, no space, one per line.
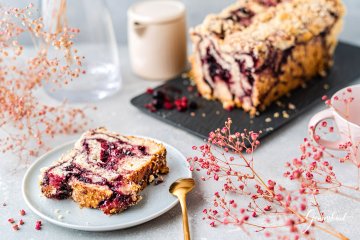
(23,118)
(245,198)
(314,169)
(352,149)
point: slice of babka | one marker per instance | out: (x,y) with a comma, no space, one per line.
(255,51)
(105,170)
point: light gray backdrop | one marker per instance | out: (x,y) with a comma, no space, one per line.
(198,9)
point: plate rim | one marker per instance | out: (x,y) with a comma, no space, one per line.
(95,228)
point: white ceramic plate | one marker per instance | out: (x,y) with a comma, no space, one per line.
(156,199)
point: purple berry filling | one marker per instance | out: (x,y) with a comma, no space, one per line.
(216,71)
(116,201)
(111,155)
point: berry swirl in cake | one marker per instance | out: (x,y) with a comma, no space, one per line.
(256,51)
(105,170)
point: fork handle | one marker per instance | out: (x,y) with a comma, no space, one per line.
(182,200)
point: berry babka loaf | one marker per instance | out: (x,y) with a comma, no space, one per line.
(255,51)
(105,170)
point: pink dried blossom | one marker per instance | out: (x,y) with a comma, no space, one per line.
(315,171)
(269,202)
(22,212)
(38,225)
(16,227)
(26,121)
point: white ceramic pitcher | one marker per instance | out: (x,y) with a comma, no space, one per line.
(157,38)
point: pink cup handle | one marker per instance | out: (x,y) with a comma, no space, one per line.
(315,120)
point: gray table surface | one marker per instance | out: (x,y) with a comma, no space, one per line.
(117,114)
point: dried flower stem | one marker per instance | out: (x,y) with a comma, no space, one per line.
(314,169)
(281,208)
(25,121)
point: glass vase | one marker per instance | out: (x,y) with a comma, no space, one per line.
(96,41)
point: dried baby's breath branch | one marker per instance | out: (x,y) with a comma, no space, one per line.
(270,207)
(24,119)
(315,170)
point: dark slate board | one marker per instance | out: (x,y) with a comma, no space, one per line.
(210,115)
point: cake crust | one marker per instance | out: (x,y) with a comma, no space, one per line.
(256,51)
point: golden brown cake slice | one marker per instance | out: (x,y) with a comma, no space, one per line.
(255,51)
(105,170)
